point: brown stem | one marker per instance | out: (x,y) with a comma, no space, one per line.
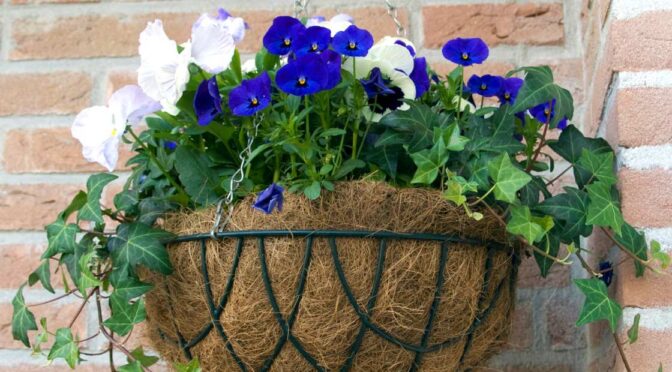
(585,265)
(53,299)
(81,307)
(542,143)
(558,176)
(621,352)
(626,250)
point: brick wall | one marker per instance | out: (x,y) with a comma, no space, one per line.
(59,56)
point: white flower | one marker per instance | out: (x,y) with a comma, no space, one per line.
(336,24)
(249,66)
(388,40)
(99,128)
(212,44)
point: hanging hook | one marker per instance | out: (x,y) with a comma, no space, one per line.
(300,7)
(393,12)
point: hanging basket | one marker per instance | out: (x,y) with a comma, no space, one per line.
(367,278)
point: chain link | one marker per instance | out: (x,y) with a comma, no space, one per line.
(300,7)
(393,12)
(236,179)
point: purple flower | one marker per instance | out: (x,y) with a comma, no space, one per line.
(381,96)
(207,102)
(333,62)
(562,124)
(314,39)
(486,85)
(607,271)
(280,36)
(509,91)
(170,145)
(270,198)
(407,46)
(466,52)
(419,76)
(545,113)
(353,42)
(305,75)
(251,96)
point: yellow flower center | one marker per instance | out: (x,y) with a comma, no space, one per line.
(484,87)
(313,47)
(465,56)
(287,41)
(507,96)
(114,132)
(254,101)
(547,112)
(352,45)
(302,81)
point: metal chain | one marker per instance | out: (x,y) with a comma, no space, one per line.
(300,7)
(393,12)
(236,179)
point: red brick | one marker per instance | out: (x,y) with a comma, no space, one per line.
(22,2)
(58,315)
(646,197)
(25,152)
(18,261)
(51,93)
(641,111)
(91,35)
(118,79)
(561,316)
(529,276)
(650,351)
(640,43)
(522,332)
(374,19)
(535,24)
(489,67)
(31,207)
(650,290)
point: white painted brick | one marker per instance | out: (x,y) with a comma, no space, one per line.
(658,319)
(646,157)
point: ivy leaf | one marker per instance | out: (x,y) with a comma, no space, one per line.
(22,319)
(598,305)
(130,288)
(428,162)
(94,187)
(539,88)
(199,179)
(312,192)
(61,238)
(416,125)
(144,359)
(153,208)
(125,315)
(43,275)
(521,223)
(633,332)
(347,167)
(502,139)
(139,244)
(572,209)
(76,204)
(386,157)
(592,166)
(451,137)
(456,188)
(192,366)
(65,347)
(572,142)
(551,246)
(508,178)
(604,208)
(86,278)
(126,200)
(131,367)
(635,242)
(658,254)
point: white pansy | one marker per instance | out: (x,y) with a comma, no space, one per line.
(249,66)
(99,128)
(336,24)
(212,44)
(387,40)
(464,105)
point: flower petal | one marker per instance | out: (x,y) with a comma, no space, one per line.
(93,126)
(130,105)
(212,45)
(400,58)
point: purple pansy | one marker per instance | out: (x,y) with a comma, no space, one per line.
(207,102)
(407,46)
(280,36)
(270,198)
(314,39)
(466,52)
(170,145)
(607,271)
(381,96)
(509,91)
(305,75)
(419,76)
(251,96)
(333,63)
(486,85)
(353,42)
(545,113)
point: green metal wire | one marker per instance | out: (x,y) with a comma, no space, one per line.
(365,315)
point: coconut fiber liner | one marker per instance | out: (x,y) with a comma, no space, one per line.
(402,310)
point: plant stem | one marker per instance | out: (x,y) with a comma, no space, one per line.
(276,172)
(483,196)
(621,352)
(459,96)
(626,250)
(79,311)
(559,175)
(542,143)
(305,100)
(156,161)
(54,299)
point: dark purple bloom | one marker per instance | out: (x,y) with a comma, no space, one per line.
(270,198)
(407,46)
(251,96)
(509,91)
(170,145)
(222,14)
(333,62)
(607,272)
(419,76)
(381,96)
(545,114)
(466,52)
(353,41)
(207,102)
(305,75)
(280,36)
(486,85)
(314,39)
(562,124)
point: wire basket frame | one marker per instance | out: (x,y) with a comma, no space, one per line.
(442,241)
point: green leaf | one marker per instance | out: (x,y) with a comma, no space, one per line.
(598,305)
(65,347)
(660,256)
(592,166)
(604,208)
(22,319)
(571,208)
(94,187)
(130,288)
(199,179)
(43,275)
(76,204)
(61,238)
(131,367)
(312,192)
(635,242)
(139,244)
(428,163)
(153,208)
(347,167)
(416,125)
(508,178)
(539,88)
(572,142)
(126,200)
(192,366)
(386,157)
(86,278)
(521,223)
(456,188)
(633,332)
(125,315)
(144,359)
(451,136)
(551,246)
